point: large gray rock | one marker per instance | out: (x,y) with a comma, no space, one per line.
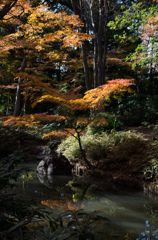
(55,165)
(45,166)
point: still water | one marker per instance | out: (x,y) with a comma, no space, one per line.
(132,214)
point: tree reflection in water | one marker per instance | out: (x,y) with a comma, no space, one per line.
(133,216)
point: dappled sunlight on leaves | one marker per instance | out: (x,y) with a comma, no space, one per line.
(29,120)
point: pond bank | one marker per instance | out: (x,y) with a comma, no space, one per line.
(126,181)
(132,167)
(130,164)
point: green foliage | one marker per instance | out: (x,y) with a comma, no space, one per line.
(126,19)
(97,146)
(112,123)
(151,171)
(140,110)
(136,25)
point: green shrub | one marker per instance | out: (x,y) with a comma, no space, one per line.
(96,146)
(151,171)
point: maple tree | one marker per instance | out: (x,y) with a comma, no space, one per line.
(13,9)
(72,103)
(11,13)
(6,7)
(33,38)
(44,39)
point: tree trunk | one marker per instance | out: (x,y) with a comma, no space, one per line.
(78,10)
(82,152)
(105,41)
(7,7)
(85,66)
(18,91)
(95,14)
(95,62)
(84,55)
(99,41)
(94,46)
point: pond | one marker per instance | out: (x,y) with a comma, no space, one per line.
(132,214)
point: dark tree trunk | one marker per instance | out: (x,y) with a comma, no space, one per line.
(7,7)
(85,66)
(106,32)
(18,91)
(95,62)
(95,15)
(82,152)
(78,10)
(99,41)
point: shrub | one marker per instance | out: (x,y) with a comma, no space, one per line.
(151,171)
(96,146)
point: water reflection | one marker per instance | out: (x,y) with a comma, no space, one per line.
(133,215)
(47,180)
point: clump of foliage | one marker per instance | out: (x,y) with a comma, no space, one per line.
(151,171)
(123,154)
(145,22)
(97,146)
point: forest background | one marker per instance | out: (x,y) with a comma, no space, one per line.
(75,46)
